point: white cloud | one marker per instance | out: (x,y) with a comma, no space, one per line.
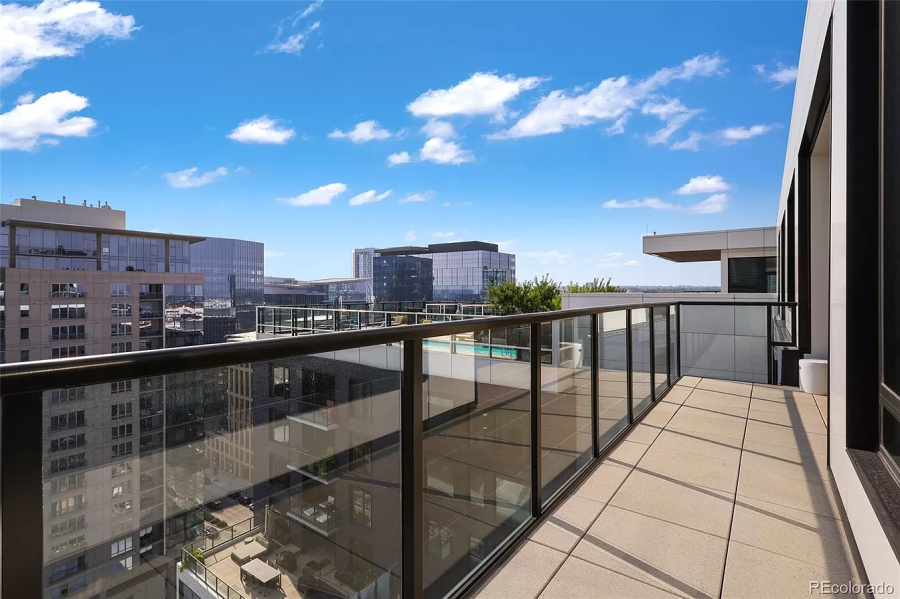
(457,205)
(612,260)
(321,196)
(25,98)
(711,205)
(442,151)
(438,128)
(673,113)
(422,196)
(362,133)
(704,184)
(480,94)
(368,197)
(612,256)
(43,121)
(652,203)
(293,39)
(444,234)
(242,169)
(272,254)
(261,131)
(549,256)
(410,236)
(53,29)
(692,142)
(632,263)
(309,10)
(398,158)
(613,99)
(735,134)
(781,75)
(189,177)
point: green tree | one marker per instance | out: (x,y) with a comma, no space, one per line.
(525,297)
(595,286)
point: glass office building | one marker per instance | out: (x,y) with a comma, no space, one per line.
(398,278)
(233,284)
(461,271)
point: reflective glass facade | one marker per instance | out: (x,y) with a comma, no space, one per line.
(233,285)
(403,278)
(466,276)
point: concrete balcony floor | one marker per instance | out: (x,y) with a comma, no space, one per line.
(721,491)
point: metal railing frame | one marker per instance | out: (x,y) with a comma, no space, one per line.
(22,565)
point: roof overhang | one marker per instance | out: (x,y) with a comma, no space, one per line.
(708,246)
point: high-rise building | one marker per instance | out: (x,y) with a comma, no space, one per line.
(233,284)
(398,277)
(461,271)
(287,291)
(361,267)
(76,282)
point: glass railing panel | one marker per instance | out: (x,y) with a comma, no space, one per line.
(136,470)
(477,451)
(751,348)
(641,377)
(660,351)
(565,403)
(673,343)
(707,338)
(612,376)
(782,323)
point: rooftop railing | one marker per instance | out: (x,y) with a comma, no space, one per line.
(447,454)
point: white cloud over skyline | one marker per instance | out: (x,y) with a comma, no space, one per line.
(369,197)
(262,130)
(191,177)
(321,196)
(42,121)
(363,132)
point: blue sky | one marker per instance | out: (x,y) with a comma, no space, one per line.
(563,130)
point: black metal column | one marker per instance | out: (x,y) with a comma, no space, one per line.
(629,367)
(595,384)
(412,466)
(536,480)
(678,335)
(769,348)
(21,496)
(652,325)
(668,346)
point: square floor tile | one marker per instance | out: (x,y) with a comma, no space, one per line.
(603,482)
(567,524)
(805,494)
(578,578)
(690,468)
(732,387)
(524,574)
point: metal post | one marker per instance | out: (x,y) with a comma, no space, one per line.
(412,466)
(668,346)
(21,495)
(629,366)
(678,337)
(769,356)
(536,480)
(652,325)
(595,384)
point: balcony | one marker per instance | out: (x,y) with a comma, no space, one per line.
(642,449)
(314,414)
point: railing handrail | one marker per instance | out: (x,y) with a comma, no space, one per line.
(23,377)
(207,572)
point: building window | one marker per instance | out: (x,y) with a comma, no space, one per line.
(67,311)
(67,568)
(119,329)
(361,400)
(23,288)
(121,508)
(24,309)
(279,381)
(23,355)
(67,443)
(120,386)
(362,507)
(121,489)
(23,333)
(64,484)
(69,526)
(752,275)
(440,541)
(67,463)
(119,309)
(64,333)
(360,454)
(67,352)
(67,506)
(120,290)
(120,469)
(122,566)
(66,546)
(68,421)
(120,347)
(67,290)
(123,430)
(121,449)
(66,395)
(120,547)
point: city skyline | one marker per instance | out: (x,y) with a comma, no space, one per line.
(297,127)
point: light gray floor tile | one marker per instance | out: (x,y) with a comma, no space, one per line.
(628,454)
(688,381)
(732,387)
(660,414)
(603,482)
(654,551)
(677,394)
(725,448)
(783,394)
(643,433)
(805,494)
(704,423)
(809,422)
(800,535)
(580,579)
(808,465)
(674,501)
(690,468)
(524,574)
(761,432)
(566,525)
(752,573)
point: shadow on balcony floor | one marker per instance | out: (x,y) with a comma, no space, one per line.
(721,491)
